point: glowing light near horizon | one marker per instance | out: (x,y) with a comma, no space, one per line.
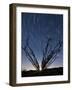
(40,68)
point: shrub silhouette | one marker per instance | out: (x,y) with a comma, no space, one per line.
(49,54)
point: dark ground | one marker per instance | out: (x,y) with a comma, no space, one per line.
(47,72)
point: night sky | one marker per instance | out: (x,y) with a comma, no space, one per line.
(39,27)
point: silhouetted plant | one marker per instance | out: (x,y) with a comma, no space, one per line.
(49,54)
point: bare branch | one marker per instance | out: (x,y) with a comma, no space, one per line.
(33,56)
(52,55)
(30,54)
(31,59)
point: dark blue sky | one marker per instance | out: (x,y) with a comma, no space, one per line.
(39,27)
